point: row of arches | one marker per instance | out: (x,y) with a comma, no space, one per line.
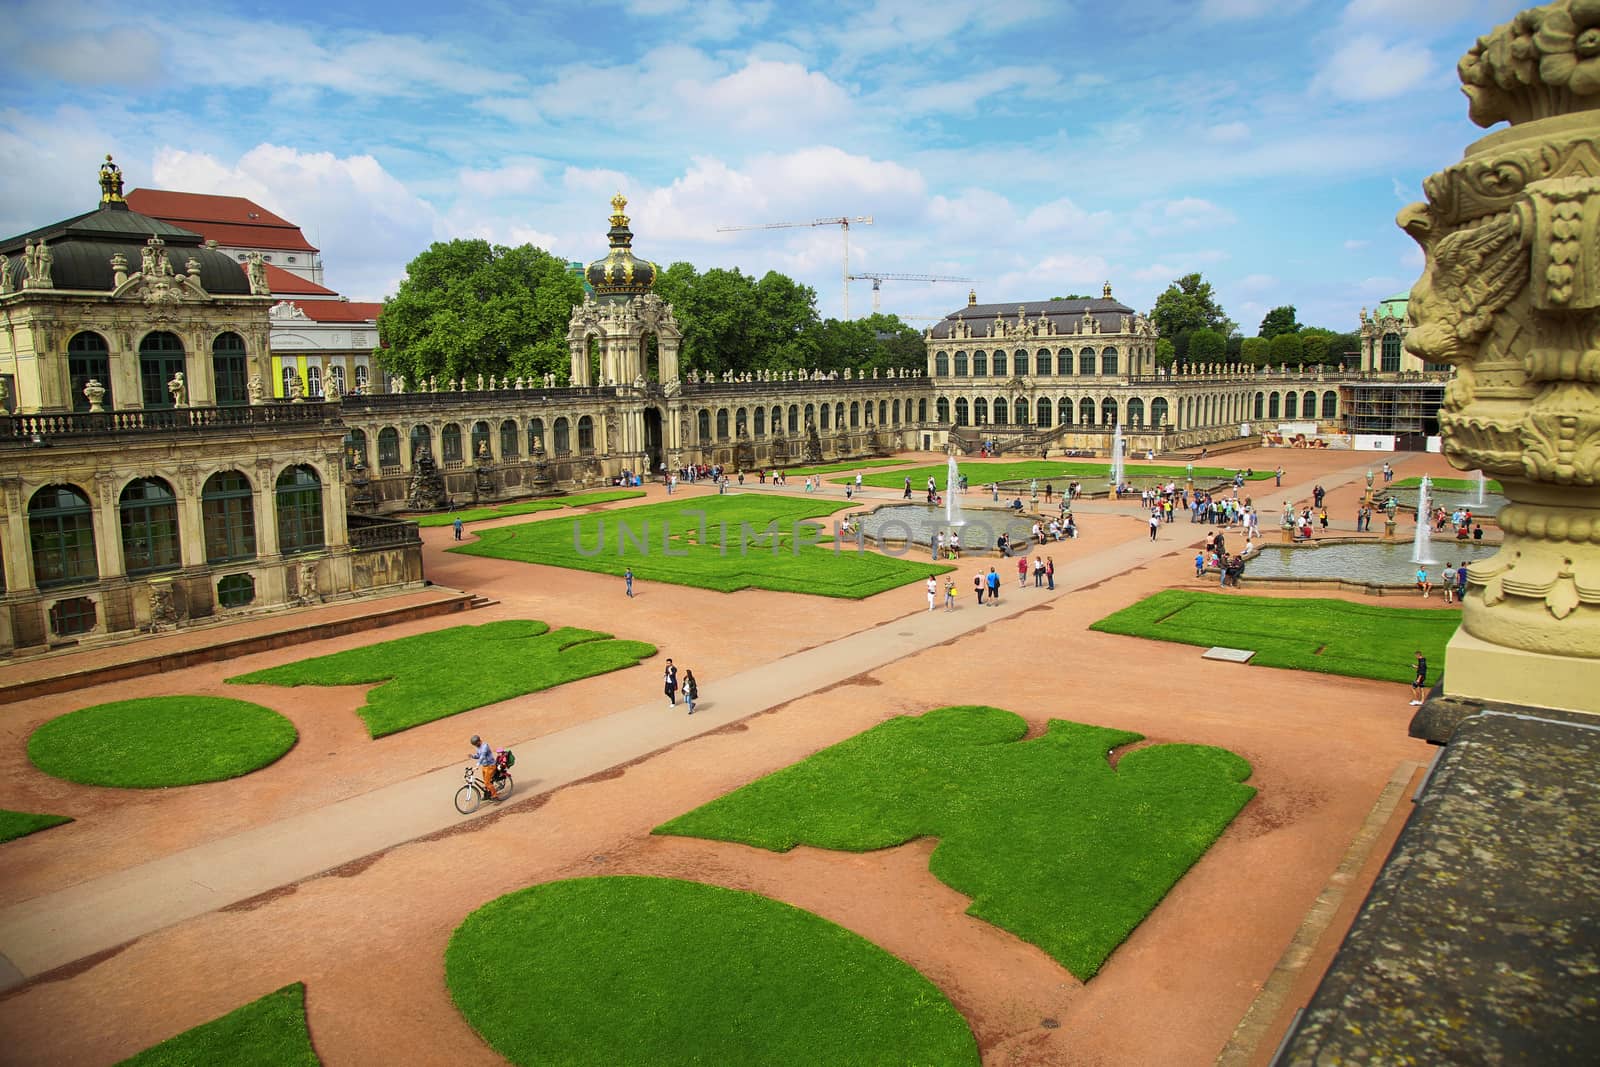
(1043,363)
(761,421)
(62,522)
(459,441)
(1045,412)
(161,356)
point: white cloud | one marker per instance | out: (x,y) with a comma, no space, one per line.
(1367,67)
(1184,215)
(764,94)
(1228,133)
(1354,244)
(967,95)
(715,20)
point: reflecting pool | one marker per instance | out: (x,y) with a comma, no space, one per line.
(1383,563)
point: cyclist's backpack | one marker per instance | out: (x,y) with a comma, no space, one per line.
(510,760)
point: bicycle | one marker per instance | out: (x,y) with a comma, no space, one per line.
(472,793)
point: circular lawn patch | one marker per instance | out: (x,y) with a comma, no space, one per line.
(634,970)
(161,741)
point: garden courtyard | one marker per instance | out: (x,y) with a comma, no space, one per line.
(337,860)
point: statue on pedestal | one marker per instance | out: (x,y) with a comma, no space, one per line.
(179,390)
(95,393)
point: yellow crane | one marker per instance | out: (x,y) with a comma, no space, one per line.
(844,222)
(877,281)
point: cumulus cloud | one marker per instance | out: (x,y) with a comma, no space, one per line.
(1368,67)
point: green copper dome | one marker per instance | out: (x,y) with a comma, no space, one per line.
(620,274)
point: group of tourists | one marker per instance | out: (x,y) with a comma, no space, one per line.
(1460,519)
(1213,556)
(1453,582)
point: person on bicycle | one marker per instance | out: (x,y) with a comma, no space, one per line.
(486,764)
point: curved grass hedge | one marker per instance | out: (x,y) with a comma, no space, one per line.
(155,742)
(635,970)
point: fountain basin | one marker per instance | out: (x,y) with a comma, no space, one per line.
(1451,499)
(1376,567)
(918,523)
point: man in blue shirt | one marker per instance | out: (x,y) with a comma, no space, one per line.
(486,760)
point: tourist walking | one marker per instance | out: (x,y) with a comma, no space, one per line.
(994,587)
(949,593)
(1200,564)
(907,494)
(978,587)
(1278,474)
(669,683)
(627,579)
(1419,681)
(1022,571)
(691,690)
(933,591)
(1038,572)
(457,525)
(1050,571)
(1155,524)
(1449,583)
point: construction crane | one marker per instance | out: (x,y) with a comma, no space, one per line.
(877,281)
(842,221)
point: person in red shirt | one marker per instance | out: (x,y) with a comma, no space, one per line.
(1022,570)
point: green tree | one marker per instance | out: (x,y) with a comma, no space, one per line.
(466,307)
(1072,296)
(732,322)
(1279,320)
(1288,348)
(1315,340)
(1166,352)
(1187,305)
(1256,351)
(1207,346)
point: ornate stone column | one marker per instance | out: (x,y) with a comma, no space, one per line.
(1511,296)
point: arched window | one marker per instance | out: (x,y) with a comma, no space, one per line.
(722,424)
(1000,411)
(1158,411)
(336,377)
(585,433)
(228,516)
(741,422)
(980,364)
(941,408)
(1136,413)
(855,415)
(510,439)
(1064,411)
(361,378)
(776,425)
(1272,406)
(1041,410)
(480,440)
(1000,365)
(355,448)
(1086,361)
(421,440)
(761,422)
(980,411)
(1108,361)
(883,406)
(941,364)
(1308,405)
(811,417)
(61,533)
(922,409)
(1086,412)
(838,415)
(794,417)
(961,364)
(450,442)
(896,410)
(299,507)
(313,379)
(1391,353)
(1041,362)
(88,359)
(826,413)
(563,435)
(1261,405)
(961,412)
(703,425)
(149,514)
(1291,403)
(1330,405)
(290,376)
(1064,361)
(1108,412)
(535,436)
(1019,410)
(160,360)
(388,447)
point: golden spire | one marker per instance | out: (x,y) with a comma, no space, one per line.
(618,203)
(1107,290)
(110,182)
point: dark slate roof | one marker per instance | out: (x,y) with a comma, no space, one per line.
(1477,943)
(1108,312)
(81,249)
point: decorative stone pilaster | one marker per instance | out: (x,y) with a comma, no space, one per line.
(1511,296)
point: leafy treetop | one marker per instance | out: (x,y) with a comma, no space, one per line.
(1279,320)
(1187,305)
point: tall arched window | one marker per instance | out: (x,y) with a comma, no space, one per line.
(563,435)
(1001,368)
(1041,409)
(855,415)
(1086,412)
(313,379)
(336,377)
(722,424)
(941,408)
(355,448)
(1001,411)
(480,439)
(961,412)
(228,516)
(1261,404)
(1041,362)
(536,436)
(741,422)
(883,406)
(61,534)
(1391,353)
(361,379)
(1272,406)
(961,364)
(1108,412)
(450,442)
(299,508)
(586,433)
(1330,405)
(702,425)
(980,411)
(896,411)
(1136,412)
(1064,361)
(1108,361)
(941,364)
(160,360)
(1291,404)
(88,359)
(1064,411)
(1086,361)
(794,417)
(776,425)
(290,376)
(811,417)
(149,514)
(980,364)
(388,448)
(761,422)
(421,440)
(825,413)
(922,409)
(838,415)
(1158,411)
(510,438)
(1019,410)
(1308,405)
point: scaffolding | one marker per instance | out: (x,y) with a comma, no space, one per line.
(1401,408)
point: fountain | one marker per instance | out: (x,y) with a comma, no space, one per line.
(1419,547)
(952,494)
(1116,460)
(1481,483)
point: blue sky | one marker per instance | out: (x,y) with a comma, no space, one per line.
(1038,147)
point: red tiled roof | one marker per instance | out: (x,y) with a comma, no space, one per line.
(228,220)
(339,310)
(288,283)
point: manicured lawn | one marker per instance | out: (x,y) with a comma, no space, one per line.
(430,676)
(15,824)
(526,507)
(1331,636)
(1046,470)
(1454,485)
(1049,841)
(633,970)
(830,468)
(154,742)
(270,1032)
(726,543)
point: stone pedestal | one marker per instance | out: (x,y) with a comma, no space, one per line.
(1388,529)
(1477,670)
